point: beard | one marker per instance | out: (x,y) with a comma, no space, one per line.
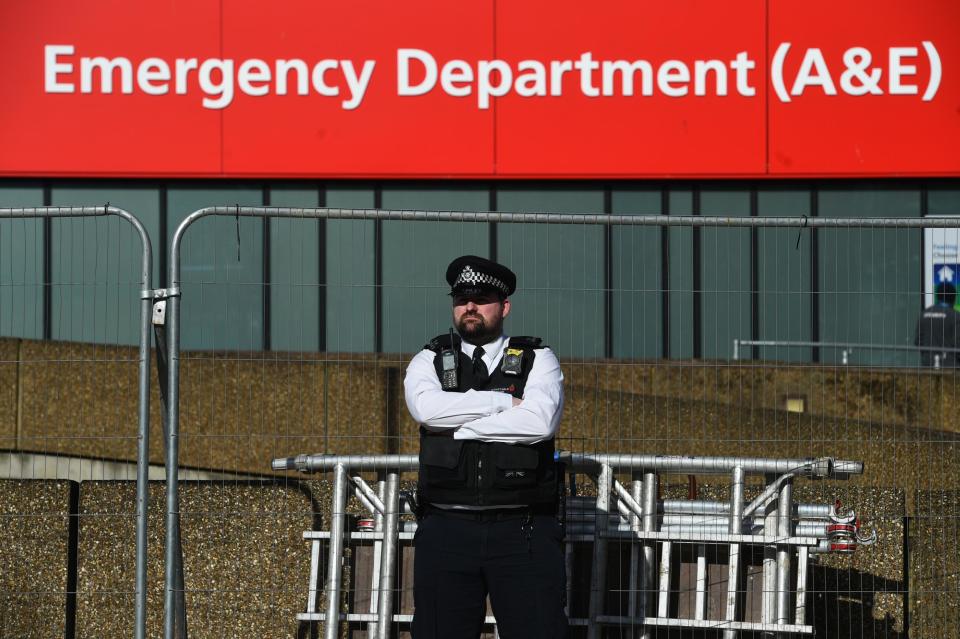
(478,332)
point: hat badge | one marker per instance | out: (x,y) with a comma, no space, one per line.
(468,275)
(475,278)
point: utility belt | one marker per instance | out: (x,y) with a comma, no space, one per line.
(491,514)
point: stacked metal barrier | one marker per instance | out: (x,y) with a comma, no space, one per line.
(788,533)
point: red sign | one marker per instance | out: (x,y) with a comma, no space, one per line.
(534,89)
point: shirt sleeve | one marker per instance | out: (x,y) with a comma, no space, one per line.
(440,410)
(536,418)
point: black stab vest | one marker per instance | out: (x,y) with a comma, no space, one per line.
(476,473)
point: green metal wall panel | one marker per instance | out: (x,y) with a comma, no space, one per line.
(869,279)
(725,272)
(783,276)
(681,277)
(943,201)
(96,264)
(560,269)
(867,286)
(350,262)
(415,258)
(21,265)
(222,280)
(295,286)
(636,262)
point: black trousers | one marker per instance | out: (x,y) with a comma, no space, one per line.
(516,559)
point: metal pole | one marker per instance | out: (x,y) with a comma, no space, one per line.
(766,497)
(143,447)
(636,488)
(372,627)
(818,467)
(717,533)
(700,603)
(688,465)
(598,572)
(649,560)
(365,494)
(803,555)
(666,564)
(626,504)
(851,347)
(172,557)
(706,508)
(783,553)
(314,575)
(600,219)
(388,556)
(768,611)
(335,552)
(733,564)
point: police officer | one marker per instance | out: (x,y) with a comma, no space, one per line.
(939,327)
(489,407)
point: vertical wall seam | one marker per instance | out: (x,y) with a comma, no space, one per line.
(47,265)
(697,280)
(924,212)
(754,273)
(665,274)
(607,275)
(322,271)
(161,250)
(265,266)
(814,275)
(378,272)
(18,444)
(492,205)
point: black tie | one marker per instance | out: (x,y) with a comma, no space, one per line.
(480,374)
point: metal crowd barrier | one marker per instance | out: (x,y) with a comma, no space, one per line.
(391,507)
(147,296)
(846,348)
(788,532)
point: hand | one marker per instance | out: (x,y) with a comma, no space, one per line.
(516,401)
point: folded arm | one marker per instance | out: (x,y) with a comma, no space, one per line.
(440,410)
(535,419)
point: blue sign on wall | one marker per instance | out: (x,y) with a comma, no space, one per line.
(941,260)
(947,274)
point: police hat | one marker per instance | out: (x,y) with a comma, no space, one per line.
(471,275)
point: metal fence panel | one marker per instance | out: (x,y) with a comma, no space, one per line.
(76,414)
(732,326)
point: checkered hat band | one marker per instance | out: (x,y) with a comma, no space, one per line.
(472,277)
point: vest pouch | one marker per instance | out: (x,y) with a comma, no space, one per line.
(441,465)
(516,466)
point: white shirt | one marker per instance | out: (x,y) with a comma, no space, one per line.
(488,415)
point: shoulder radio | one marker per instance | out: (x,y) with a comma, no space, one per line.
(448,366)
